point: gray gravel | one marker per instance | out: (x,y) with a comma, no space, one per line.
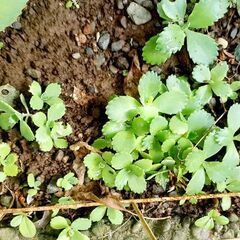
(104,40)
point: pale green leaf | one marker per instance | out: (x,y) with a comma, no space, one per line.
(39,119)
(98,213)
(111,128)
(9,11)
(177,84)
(31,180)
(60,143)
(27,228)
(216,171)
(115,216)
(171,102)
(196,183)
(36,102)
(59,223)
(137,184)
(222,220)
(162,179)
(35,88)
(145,164)
(153,56)
(221,89)
(203,95)
(7,121)
(26,131)
(200,121)
(233,117)
(148,112)
(44,140)
(178,126)
(140,127)
(11,170)
(4,150)
(121,160)
(81,224)
(5,107)
(201,73)
(32,192)
(149,86)
(121,109)
(224,136)
(226,203)
(124,141)
(56,111)
(211,147)
(174,10)
(171,39)
(219,72)
(121,179)
(16,221)
(231,158)
(53,90)
(158,124)
(205,222)
(2,177)
(206,12)
(202,48)
(194,160)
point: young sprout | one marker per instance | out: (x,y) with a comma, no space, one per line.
(67,182)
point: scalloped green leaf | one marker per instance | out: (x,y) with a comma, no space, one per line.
(202,48)
(206,12)
(153,56)
(122,109)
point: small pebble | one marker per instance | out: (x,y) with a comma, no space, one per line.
(113,69)
(123,63)
(123,21)
(117,46)
(76,55)
(60,155)
(126,48)
(148,4)
(82,38)
(138,14)
(233,33)
(34,73)
(17,25)
(104,40)
(89,51)
(99,60)
(222,42)
(120,4)
(89,28)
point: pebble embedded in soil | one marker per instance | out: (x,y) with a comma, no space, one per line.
(89,51)
(99,60)
(117,46)
(122,63)
(113,69)
(123,21)
(76,56)
(120,4)
(223,42)
(89,28)
(138,14)
(34,73)
(17,25)
(104,40)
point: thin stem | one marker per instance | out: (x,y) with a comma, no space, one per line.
(84,204)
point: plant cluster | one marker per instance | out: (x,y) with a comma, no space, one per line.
(49,131)
(201,48)
(212,217)
(71,231)
(8,162)
(25,225)
(33,184)
(67,182)
(166,132)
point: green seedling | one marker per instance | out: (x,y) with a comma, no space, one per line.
(115,216)
(33,184)
(67,182)
(201,48)
(212,217)
(25,225)
(8,161)
(71,231)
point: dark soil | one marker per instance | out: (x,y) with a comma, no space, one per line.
(50,34)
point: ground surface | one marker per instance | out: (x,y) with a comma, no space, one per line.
(55,44)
